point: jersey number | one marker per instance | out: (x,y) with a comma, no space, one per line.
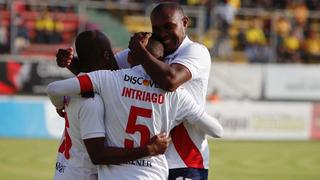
(66,143)
(132,127)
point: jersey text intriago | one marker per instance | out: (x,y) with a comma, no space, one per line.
(142,95)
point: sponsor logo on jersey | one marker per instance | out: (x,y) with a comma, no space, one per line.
(140,81)
(140,162)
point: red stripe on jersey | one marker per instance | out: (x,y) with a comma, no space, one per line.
(187,150)
(85,83)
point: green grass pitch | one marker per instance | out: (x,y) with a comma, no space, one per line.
(230,160)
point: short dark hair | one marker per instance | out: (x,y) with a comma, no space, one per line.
(167,5)
(90,46)
(155,47)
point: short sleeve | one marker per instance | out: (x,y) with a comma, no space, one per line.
(122,59)
(195,57)
(187,107)
(91,118)
(99,79)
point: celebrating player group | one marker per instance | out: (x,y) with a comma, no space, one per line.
(138,114)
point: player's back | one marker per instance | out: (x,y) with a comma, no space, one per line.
(136,109)
(73,161)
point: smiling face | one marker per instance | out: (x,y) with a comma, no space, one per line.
(169,25)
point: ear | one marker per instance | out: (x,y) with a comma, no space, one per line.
(185,21)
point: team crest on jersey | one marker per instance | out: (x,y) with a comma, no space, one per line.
(60,167)
(140,81)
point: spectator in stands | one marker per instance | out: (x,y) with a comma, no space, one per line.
(56,36)
(4,37)
(289,50)
(311,47)
(48,29)
(224,14)
(40,30)
(22,38)
(256,48)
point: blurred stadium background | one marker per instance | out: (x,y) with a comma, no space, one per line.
(264,86)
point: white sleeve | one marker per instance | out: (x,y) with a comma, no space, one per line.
(195,57)
(122,59)
(194,114)
(64,87)
(98,80)
(187,107)
(56,90)
(91,118)
(208,125)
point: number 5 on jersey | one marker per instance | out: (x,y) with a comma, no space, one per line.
(132,127)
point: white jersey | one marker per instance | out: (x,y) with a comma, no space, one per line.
(193,151)
(136,109)
(84,119)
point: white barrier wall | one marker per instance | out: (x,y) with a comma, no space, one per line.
(263,120)
(292,82)
(35,117)
(265,81)
(236,81)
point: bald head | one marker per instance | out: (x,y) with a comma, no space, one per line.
(169,24)
(168,6)
(94,51)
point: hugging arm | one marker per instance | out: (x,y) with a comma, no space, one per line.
(195,114)
(168,76)
(209,125)
(58,89)
(101,154)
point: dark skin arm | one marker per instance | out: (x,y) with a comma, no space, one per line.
(168,76)
(66,58)
(100,154)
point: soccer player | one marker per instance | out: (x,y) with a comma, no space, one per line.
(138,109)
(82,144)
(186,64)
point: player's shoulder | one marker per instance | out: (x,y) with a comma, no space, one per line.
(196,50)
(81,103)
(195,47)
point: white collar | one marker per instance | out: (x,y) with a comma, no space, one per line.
(185,42)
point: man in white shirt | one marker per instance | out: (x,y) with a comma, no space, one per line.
(142,109)
(187,64)
(83,142)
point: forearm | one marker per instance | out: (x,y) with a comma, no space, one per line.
(73,67)
(64,87)
(160,72)
(209,125)
(114,155)
(101,154)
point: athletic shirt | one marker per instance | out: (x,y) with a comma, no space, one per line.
(84,119)
(193,151)
(135,110)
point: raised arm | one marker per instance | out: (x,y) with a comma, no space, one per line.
(100,154)
(66,58)
(66,87)
(168,76)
